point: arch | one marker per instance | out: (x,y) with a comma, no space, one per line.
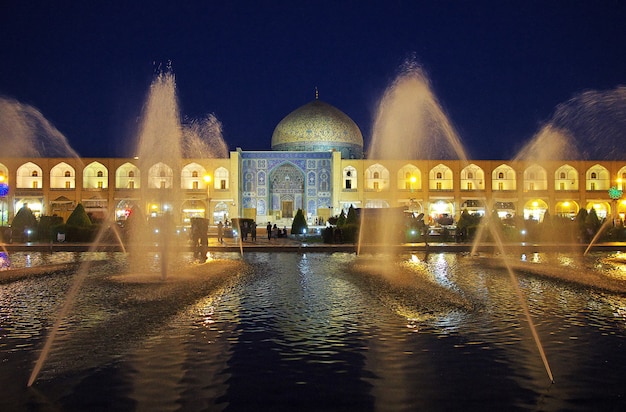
(441,211)
(192,177)
(349,178)
(62,176)
(95,176)
(566,208)
(535,209)
(603,209)
(221,180)
(535,178)
(286,189)
(441,178)
(124,207)
(503,178)
(127,176)
(621,178)
(4,174)
(565,178)
(160,176)
(409,178)
(472,178)
(26,180)
(377,177)
(598,178)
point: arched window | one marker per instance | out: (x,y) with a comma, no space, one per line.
(131,174)
(68,173)
(439,175)
(562,175)
(501,175)
(470,175)
(34,174)
(100,174)
(194,173)
(376,175)
(594,175)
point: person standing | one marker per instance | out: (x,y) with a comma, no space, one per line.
(220,232)
(253,231)
(269,230)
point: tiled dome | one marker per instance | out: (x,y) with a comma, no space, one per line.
(318,126)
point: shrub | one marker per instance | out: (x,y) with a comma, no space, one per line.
(23,220)
(299,225)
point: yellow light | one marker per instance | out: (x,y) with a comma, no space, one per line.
(535,204)
(413,179)
(207,178)
(1,178)
(154,207)
(566,204)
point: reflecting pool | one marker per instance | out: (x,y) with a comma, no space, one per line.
(294,331)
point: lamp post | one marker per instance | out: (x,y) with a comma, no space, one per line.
(615,193)
(207,179)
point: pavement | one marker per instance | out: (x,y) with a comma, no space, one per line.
(314,244)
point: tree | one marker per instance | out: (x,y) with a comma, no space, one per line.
(79,217)
(23,220)
(351,219)
(299,223)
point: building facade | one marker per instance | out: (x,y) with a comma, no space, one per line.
(316,164)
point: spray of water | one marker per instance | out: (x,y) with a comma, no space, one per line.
(203,138)
(80,277)
(410,123)
(25,132)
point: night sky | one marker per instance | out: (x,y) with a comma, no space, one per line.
(499,69)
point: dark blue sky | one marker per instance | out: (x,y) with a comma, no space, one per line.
(498,68)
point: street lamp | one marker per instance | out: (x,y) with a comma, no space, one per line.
(615,193)
(413,179)
(207,179)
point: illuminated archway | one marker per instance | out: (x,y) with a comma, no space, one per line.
(602,208)
(535,209)
(440,210)
(566,208)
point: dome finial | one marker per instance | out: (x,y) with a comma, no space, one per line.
(317,93)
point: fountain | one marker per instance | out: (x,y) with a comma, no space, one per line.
(410,124)
(162,143)
(313,331)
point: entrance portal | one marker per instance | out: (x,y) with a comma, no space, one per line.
(287,208)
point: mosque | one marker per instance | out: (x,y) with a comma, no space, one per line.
(316,164)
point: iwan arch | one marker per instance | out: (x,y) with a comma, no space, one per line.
(316,164)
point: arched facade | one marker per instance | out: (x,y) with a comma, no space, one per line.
(127,176)
(62,176)
(441,178)
(503,178)
(566,178)
(472,178)
(95,176)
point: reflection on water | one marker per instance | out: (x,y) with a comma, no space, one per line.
(320,332)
